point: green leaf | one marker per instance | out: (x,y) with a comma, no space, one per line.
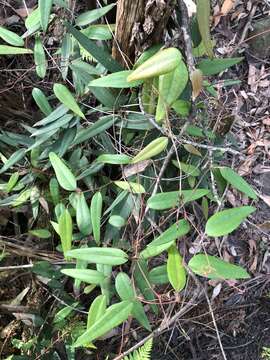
(96,311)
(23,197)
(64,176)
(175,269)
(56,114)
(147,54)
(115,80)
(130,186)
(125,291)
(99,31)
(142,281)
(83,218)
(11,37)
(237,181)
(215,66)
(65,231)
(161,63)
(181,107)
(170,87)
(188,169)
(55,126)
(45,7)
(40,58)
(215,268)
(41,101)
(41,233)
(14,158)
(158,275)
(226,221)
(154,148)
(86,275)
(203,18)
(172,199)
(102,56)
(116,159)
(10,50)
(54,191)
(96,211)
(115,315)
(90,16)
(104,123)
(117,221)
(12,181)
(95,255)
(64,95)
(166,239)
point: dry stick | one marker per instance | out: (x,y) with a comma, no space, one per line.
(165,326)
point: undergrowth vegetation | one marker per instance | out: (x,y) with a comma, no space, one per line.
(121,169)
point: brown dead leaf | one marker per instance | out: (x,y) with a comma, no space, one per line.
(265,198)
(135,168)
(252,78)
(197,82)
(23,12)
(227,6)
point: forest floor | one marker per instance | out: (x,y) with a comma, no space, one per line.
(236,320)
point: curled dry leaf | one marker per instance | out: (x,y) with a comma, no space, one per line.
(135,168)
(197,82)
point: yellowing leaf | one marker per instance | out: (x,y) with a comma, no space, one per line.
(162,62)
(175,269)
(154,148)
(64,176)
(203,18)
(130,186)
(64,95)
(197,83)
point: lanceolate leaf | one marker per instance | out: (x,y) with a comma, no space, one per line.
(215,268)
(11,37)
(159,275)
(95,255)
(237,182)
(40,58)
(96,51)
(115,80)
(83,218)
(151,150)
(175,269)
(226,221)
(171,86)
(114,159)
(171,199)
(64,176)
(96,311)
(10,50)
(166,239)
(90,16)
(64,95)
(113,316)
(86,275)
(45,7)
(96,211)
(14,158)
(130,186)
(41,101)
(215,66)
(65,230)
(188,169)
(161,63)
(203,18)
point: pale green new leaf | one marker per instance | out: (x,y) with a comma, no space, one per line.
(154,148)
(115,315)
(64,176)
(65,230)
(90,16)
(83,218)
(11,37)
(96,255)
(203,18)
(115,80)
(45,7)
(41,233)
(96,211)
(10,50)
(64,95)
(96,311)
(175,269)
(86,275)
(115,159)
(226,221)
(130,186)
(215,268)
(12,181)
